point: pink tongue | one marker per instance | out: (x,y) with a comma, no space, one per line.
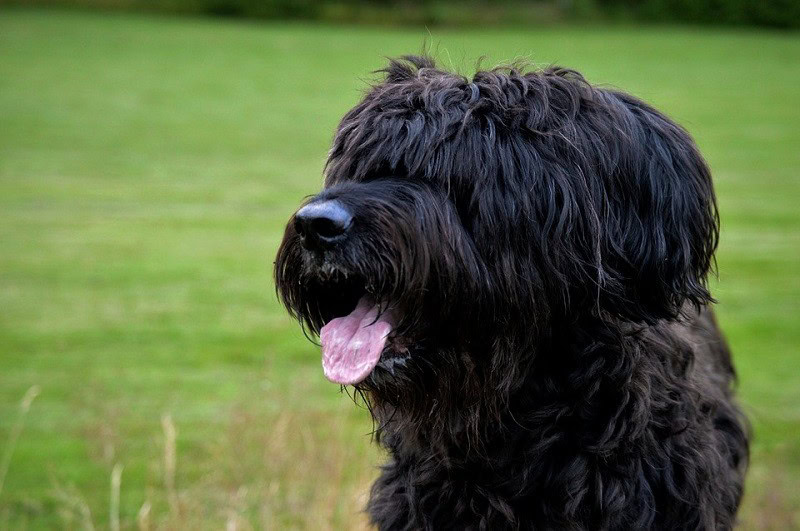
(352,345)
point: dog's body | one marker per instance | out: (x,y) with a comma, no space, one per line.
(511,270)
(620,434)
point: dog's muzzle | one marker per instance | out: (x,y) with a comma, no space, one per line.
(352,343)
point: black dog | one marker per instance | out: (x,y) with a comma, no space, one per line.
(511,270)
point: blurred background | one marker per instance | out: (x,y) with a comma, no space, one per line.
(151,152)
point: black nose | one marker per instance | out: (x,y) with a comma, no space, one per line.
(322,223)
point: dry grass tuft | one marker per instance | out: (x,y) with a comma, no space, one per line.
(16,431)
(170,461)
(259,478)
(116,484)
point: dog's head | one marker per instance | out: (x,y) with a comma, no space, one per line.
(458,213)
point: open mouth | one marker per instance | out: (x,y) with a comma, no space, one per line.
(353,340)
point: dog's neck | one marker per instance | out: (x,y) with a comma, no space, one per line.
(558,400)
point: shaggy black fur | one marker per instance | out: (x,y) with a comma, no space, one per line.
(544,245)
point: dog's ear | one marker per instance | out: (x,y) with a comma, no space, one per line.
(661,215)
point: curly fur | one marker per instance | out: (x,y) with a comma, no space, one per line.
(544,244)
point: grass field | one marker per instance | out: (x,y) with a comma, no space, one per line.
(147,166)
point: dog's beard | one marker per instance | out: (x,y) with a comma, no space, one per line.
(348,307)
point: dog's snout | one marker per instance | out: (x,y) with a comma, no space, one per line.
(323,223)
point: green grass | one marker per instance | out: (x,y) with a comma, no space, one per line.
(147,166)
